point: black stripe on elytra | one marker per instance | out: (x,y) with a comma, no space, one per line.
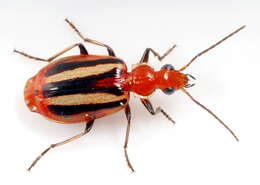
(111,90)
(61,67)
(83,85)
(66,110)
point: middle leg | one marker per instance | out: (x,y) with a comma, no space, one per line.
(148,105)
(128,117)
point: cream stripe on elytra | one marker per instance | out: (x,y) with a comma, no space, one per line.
(79,99)
(82,72)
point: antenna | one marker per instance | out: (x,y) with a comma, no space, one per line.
(210,112)
(211,47)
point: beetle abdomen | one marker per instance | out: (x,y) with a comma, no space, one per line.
(82,85)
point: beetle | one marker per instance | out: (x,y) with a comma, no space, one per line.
(86,87)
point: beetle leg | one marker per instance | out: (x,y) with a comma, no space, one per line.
(89,125)
(83,51)
(145,56)
(109,49)
(148,105)
(128,117)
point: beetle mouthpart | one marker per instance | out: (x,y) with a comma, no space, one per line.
(190,79)
(29,95)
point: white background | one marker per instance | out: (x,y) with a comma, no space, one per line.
(197,150)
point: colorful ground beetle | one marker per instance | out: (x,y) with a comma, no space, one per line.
(86,87)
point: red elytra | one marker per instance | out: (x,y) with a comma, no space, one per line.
(38,102)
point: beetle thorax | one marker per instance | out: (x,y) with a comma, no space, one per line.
(144,80)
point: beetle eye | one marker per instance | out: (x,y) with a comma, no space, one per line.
(168,67)
(169,90)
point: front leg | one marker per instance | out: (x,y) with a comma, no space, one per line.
(148,105)
(145,57)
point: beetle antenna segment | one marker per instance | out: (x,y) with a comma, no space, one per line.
(211,47)
(210,112)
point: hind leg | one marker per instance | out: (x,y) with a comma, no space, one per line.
(89,125)
(82,49)
(109,49)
